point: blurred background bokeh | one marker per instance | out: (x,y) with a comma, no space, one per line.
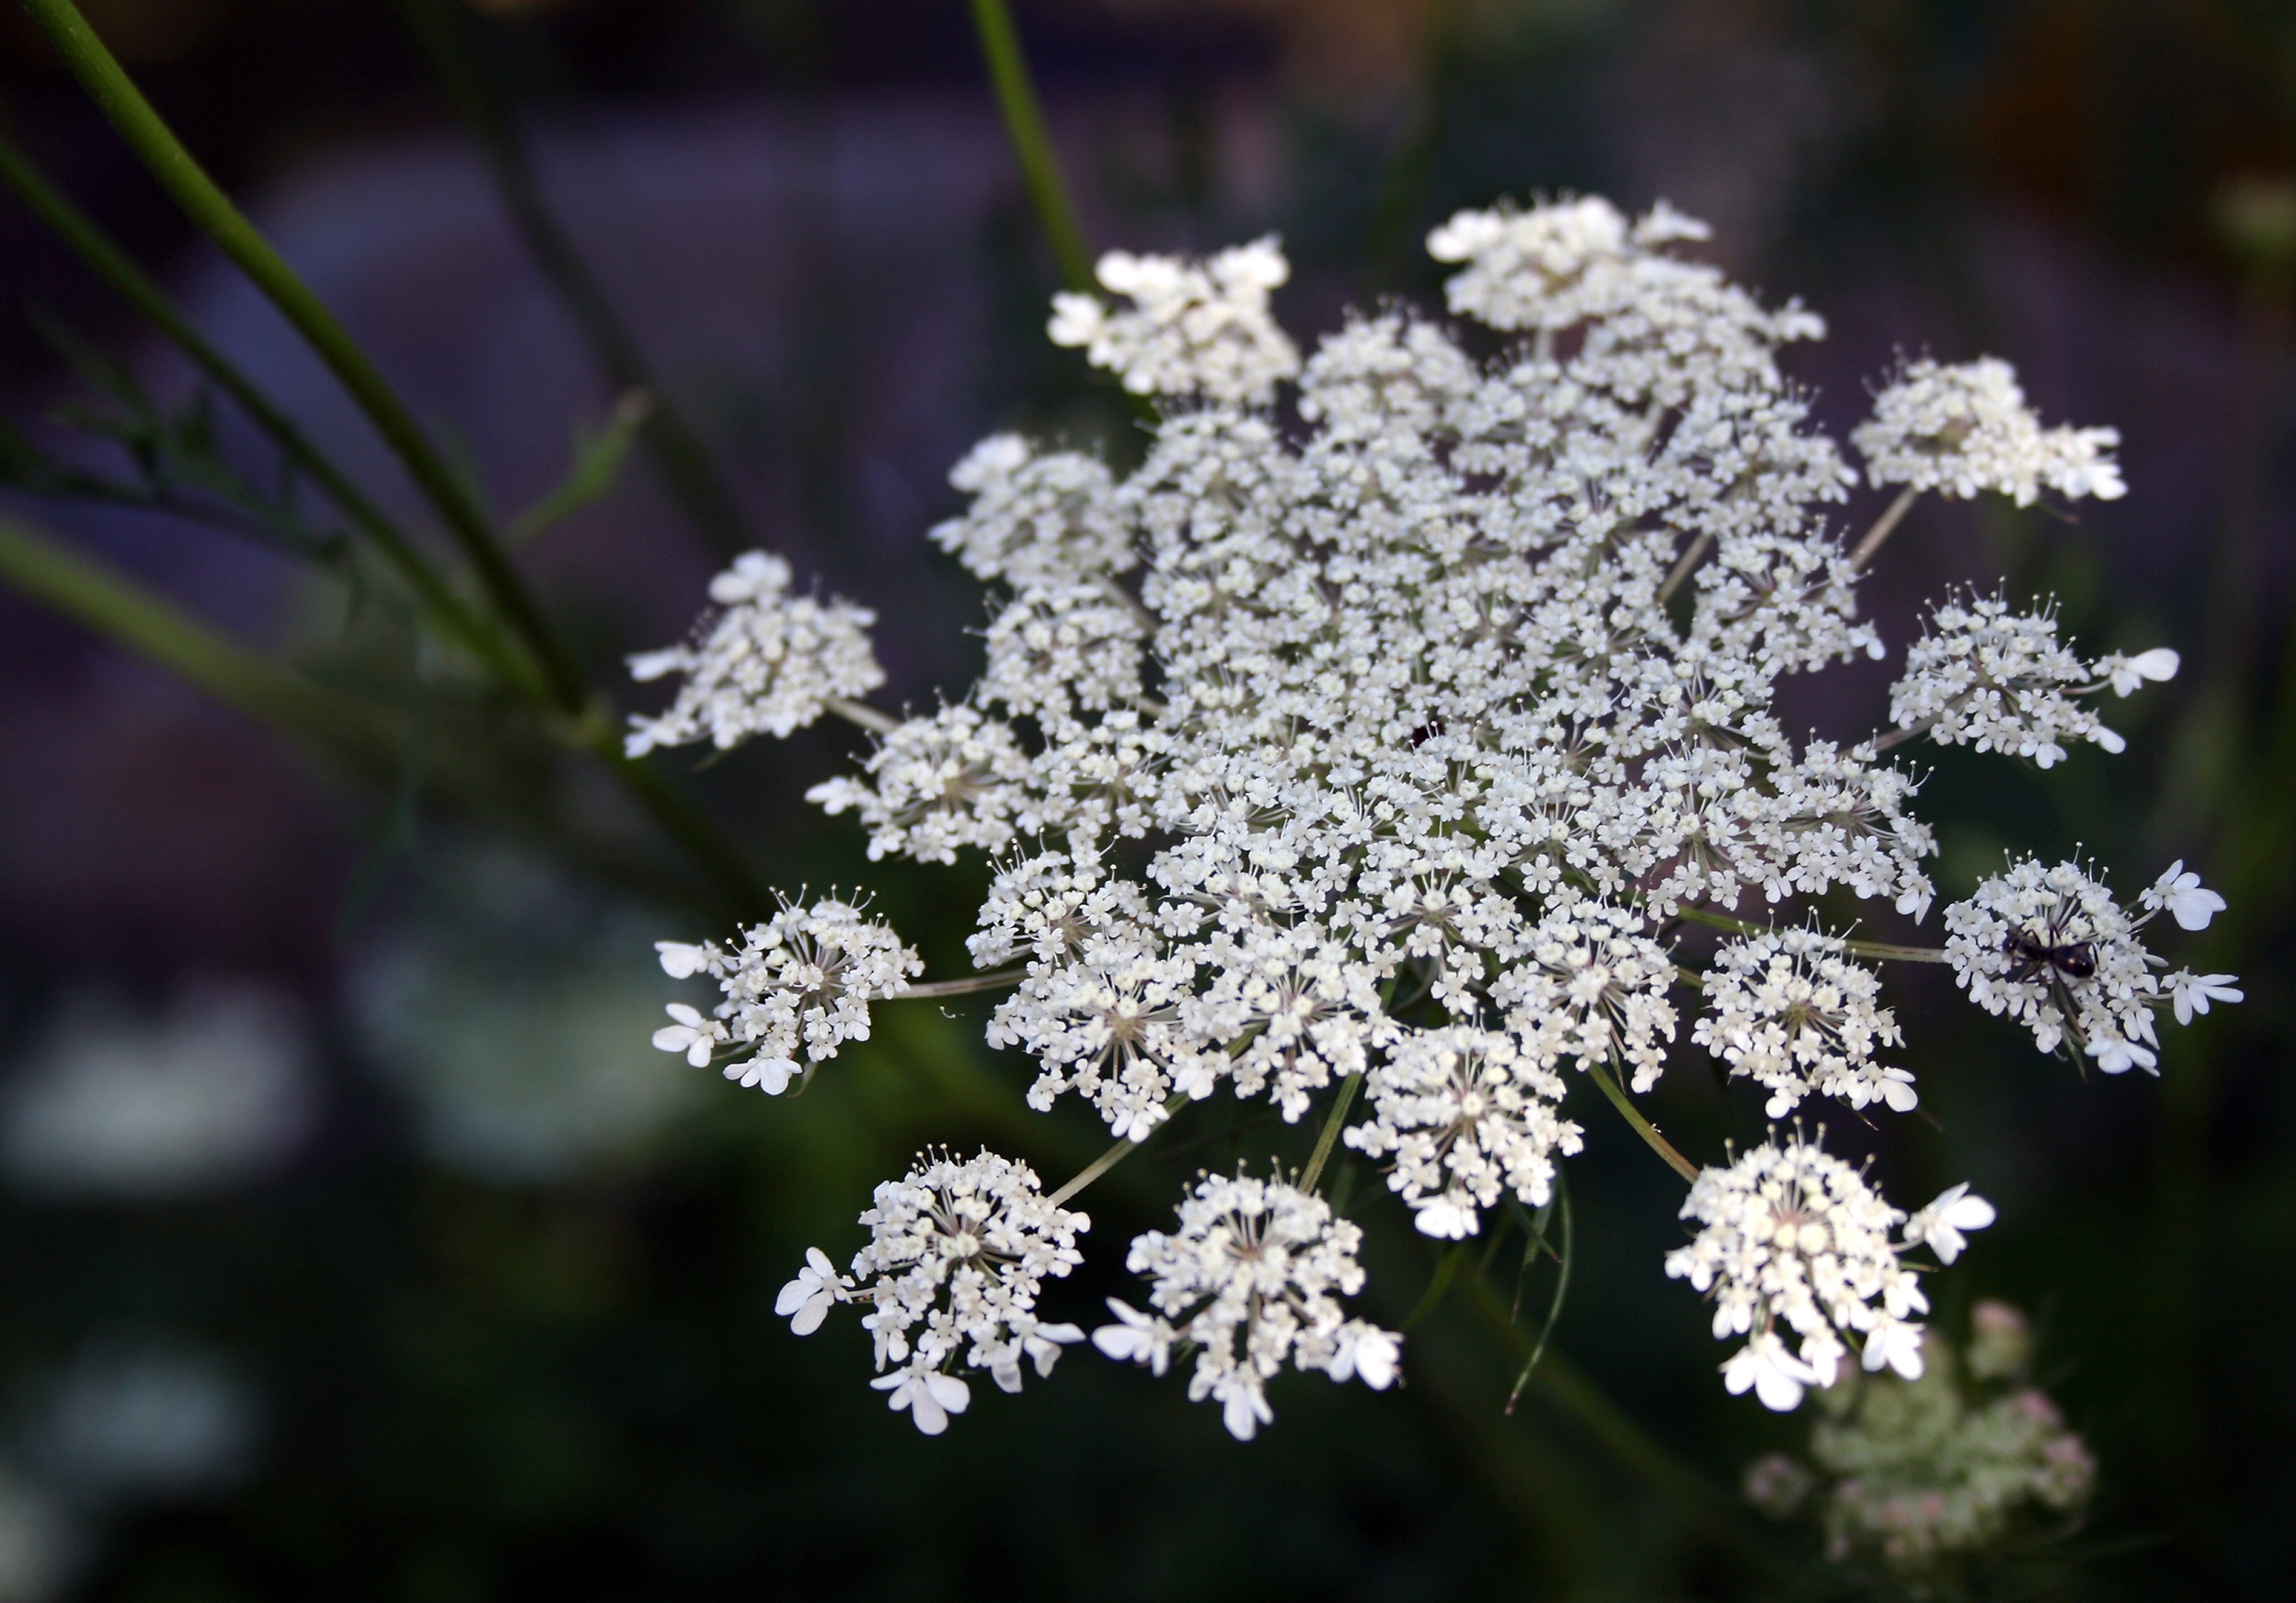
(355,1244)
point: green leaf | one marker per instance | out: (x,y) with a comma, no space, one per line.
(1561,1290)
(597,463)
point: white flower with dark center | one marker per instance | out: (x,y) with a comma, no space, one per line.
(1794,1241)
(1965,429)
(1253,1278)
(1790,1011)
(2050,947)
(802,980)
(1193,327)
(769,663)
(958,1254)
(1467,1116)
(1983,677)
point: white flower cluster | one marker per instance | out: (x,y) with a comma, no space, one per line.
(1790,1011)
(1191,329)
(805,977)
(1965,429)
(1981,675)
(958,1254)
(768,664)
(1467,1114)
(2050,947)
(1391,735)
(1251,1280)
(1793,1235)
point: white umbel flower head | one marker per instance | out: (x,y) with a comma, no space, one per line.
(1965,429)
(1467,1116)
(958,1254)
(1794,1242)
(1981,675)
(1036,519)
(1253,1278)
(769,663)
(801,981)
(1193,327)
(1790,1011)
(1593,988)
(2050,947)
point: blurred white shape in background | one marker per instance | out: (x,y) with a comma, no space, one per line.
(519,1030)
(216,1091)
(39,1548)
(144,1422)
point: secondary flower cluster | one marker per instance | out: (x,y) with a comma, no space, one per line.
(1984,677)
(804,978)
(1793,1236)
(958,1254)
(1928,1473)
(1386,740)
(1252,1279)
(2050,947)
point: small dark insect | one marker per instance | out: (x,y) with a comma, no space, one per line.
(2032,955)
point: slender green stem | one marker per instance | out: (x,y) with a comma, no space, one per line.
(679,455)
(971,985)
(1114,1155)
(857,712)
(1884,527)
(1569,1256)
(1883,950)
(1032,142)
(178,172)
(1642,1126)
(103,257)
(1576,1395)
(48,571)
(1328,1137)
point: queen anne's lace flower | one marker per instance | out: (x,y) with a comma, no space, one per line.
(1792,1236)
(1253,1279)
(804,978)
(1392,736)
(2050,947)
(1790,1011)
(1965,429)
(1981,675)
(768,664)
(1192,328)
(958,1253)
(1467,1114)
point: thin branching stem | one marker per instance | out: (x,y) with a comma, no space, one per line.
(1643,1128)
(103,256)
(1884,527)
(1685,566)
(1875,949)
(179,173)
(1328,1137)
(972,985)
(679,455)
(1114,1155)
(860,712)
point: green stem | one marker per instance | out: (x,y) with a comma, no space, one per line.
(971,985)
(353,735)
(178,172)
(1114,1155)
(103,257)
(1032,144)
(1875,949)
(1571,1390)
(1328,1137)
(1884,527)
(679,457)
(1642,1126)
